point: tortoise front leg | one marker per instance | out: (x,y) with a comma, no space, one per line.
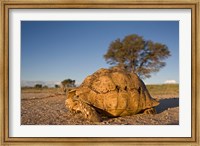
(75,105)
(89,112)
(150,111)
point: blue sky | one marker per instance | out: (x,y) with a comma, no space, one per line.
(57,50)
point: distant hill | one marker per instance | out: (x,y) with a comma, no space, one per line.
(25,83)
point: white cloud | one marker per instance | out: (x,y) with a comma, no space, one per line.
(170,82)
(57,83)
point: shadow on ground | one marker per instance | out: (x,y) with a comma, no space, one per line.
(167,103)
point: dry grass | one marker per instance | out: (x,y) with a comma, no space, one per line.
(163,90)
(39,90)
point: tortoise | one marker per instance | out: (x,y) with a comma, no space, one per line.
(111,92)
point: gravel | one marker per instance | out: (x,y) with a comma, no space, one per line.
(49,109)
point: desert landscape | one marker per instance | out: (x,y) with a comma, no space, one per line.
(106,71)
(46,106)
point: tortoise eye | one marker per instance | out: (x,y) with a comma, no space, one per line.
(76,97)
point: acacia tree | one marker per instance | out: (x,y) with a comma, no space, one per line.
(68,83)
(38,86)
(57,86)
(137,55)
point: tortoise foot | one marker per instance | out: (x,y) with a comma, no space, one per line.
(150,111)
(90,113)
(80,107)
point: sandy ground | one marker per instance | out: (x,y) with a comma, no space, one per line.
(49,109)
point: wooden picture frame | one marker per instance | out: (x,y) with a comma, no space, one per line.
(45,4)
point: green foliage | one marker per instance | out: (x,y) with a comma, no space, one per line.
(68,83)
(38,86)
(137,55)
(57,86)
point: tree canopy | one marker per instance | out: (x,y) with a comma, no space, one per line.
(68,83)
(57,86)
(137,55)
(38,86)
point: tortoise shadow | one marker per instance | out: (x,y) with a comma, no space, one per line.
(167,103)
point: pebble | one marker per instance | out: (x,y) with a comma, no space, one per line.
(52,111)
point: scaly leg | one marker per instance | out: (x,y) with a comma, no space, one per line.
(150,111)
(88,111)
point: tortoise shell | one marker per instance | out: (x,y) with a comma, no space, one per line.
(114,92)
